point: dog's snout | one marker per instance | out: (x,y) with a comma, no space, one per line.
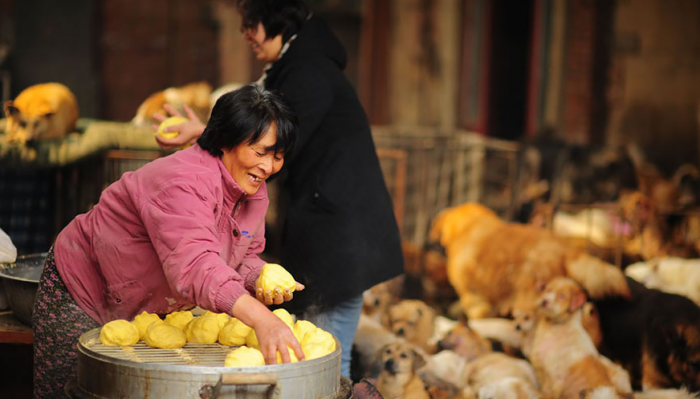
(441,345)
(518,327)
(401,332)
(544,303)
(376,302)
(390,365)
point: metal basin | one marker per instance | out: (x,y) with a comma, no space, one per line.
(195,371)
(21,281)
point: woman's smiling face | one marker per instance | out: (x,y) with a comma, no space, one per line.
(251,164)
(266,49)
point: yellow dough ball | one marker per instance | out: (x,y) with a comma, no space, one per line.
(222,317)
(234,333)
(273,275)
(251,340)
(301,327)
(164,336)
(285,316)
(179,319)
(144,320)
(244,357)
(173,120)
(317,343)
(119,333)
(203,329)
(292,357)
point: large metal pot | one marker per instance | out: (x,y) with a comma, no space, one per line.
(195,371)
(21,281)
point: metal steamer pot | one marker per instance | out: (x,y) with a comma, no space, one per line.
(21,281)
(194,371)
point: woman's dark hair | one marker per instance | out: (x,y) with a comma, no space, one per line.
(244,115)
(285,17)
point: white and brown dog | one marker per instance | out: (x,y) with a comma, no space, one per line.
(562,352)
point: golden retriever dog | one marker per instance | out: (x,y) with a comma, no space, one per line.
(499,373)
(194,95)
(41,112)
(567,362)
(412,320)
(398,379)
(495,266)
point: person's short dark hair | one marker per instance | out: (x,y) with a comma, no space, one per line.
(285,17)
(244,115)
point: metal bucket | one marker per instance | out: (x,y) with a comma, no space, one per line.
(195,371)
(21,281)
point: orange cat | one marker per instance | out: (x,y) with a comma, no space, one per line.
(40,112)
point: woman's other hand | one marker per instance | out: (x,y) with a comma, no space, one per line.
(275,336)
(189,131)
(276,296)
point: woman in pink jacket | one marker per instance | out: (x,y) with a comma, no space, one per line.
(181,231)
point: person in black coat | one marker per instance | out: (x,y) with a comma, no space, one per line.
(340,236)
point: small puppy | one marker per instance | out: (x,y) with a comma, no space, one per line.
(369,339)
(562,352)
(398,379)
(412,320)
(41,112)
(497,372)
(377,299)
(465,341)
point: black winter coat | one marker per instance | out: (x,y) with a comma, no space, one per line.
(340,234)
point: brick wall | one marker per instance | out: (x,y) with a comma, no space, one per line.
(147,46)
(578,70)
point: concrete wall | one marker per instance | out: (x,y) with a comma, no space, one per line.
(655,79)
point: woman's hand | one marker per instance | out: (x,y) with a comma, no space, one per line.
(275,336)
(189,131)
(276,296)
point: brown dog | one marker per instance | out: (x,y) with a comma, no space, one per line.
(412,320)
(377,299)
(194,95)
(398,379)
(465,341)
(567,362)
(41,112)
(497,372)
(495,266)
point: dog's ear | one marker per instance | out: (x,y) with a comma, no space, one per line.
(578,298)
(385,319)
(462,318)
(419,358)
(10,110)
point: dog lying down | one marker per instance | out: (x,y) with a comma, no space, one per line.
(655,335)
(669,274)
(567,362)
(496,266)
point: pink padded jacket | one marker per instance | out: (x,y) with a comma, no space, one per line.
(175,233)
